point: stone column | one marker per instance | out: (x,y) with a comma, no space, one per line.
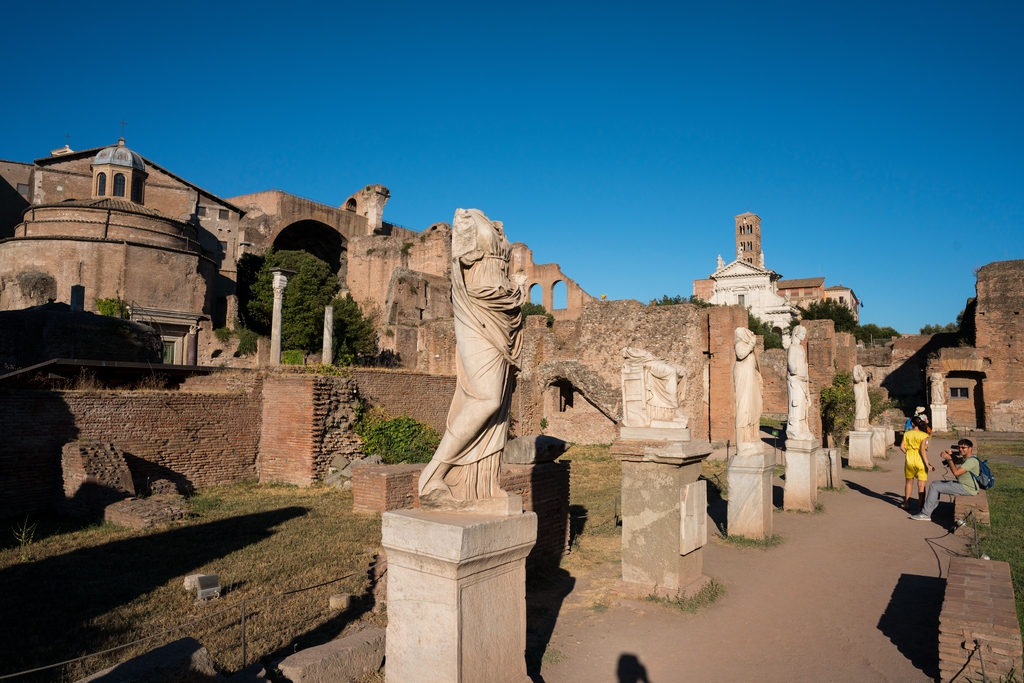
(750,494)
(280,282)
(457,596)
(801,474)
(860,450)
(939,417)
(192,346)
(77,298)
(327,356)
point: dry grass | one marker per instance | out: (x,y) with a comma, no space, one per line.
(1001,449)
(594,488)
(87,589)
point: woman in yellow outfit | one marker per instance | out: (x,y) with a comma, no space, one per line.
(915,445)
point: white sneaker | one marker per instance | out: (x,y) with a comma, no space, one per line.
(921,516)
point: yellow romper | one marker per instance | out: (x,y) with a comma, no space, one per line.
(914,468)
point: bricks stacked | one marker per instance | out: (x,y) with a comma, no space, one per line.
(423,397)
(720,323)
(978,605)
(976,505)
(379,488)
(545,490)
(287,435)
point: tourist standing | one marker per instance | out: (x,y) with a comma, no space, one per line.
(915,446)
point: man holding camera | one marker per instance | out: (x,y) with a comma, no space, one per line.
(964,466)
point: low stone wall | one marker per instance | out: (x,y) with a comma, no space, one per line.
(413,394)
(379,488)
(976,505)
(978,606)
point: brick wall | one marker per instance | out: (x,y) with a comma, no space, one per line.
(379,488)
(718,329)
(775,394)
(821,356)
(190,439)
(978,605)
(999,321)
(417,395)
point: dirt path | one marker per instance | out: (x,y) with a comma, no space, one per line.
(852,595)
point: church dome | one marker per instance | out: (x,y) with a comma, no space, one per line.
(119,155)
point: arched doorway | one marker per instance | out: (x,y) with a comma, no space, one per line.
(320,240)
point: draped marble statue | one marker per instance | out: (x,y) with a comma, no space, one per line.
(747,386)
(796,382)
(938,389)
(862,402)
(488,323)
(653,390)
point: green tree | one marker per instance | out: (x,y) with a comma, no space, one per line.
(939,329)
(530,308)
(830,309)
(760,327)
(355,338)
(667,300)
(871,331)
(837,406)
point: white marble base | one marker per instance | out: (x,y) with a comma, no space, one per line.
(801,474)
(655,433)
(456,596)
(878,442)
(830,468)
(860,450)
(750,494)
(939,418)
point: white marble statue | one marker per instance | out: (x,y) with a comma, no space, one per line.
(653,390)
(938,389)
(488,324)
(796,381)
(721,262)
(747,386)
(861,400)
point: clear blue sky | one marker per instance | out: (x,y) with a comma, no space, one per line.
(880,142)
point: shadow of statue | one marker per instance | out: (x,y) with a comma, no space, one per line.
(545,593)
(911,620)
(630,670)
(890,497)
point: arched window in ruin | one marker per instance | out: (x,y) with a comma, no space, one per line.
(119,184)
(137,189)
(536,296)
(101,184)
(559,296)
(350,205)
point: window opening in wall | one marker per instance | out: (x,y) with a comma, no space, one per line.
(559,296)
(200,210)
(137,190)
(169,352)
(119,184)
(743,300)
(223,247)
(536,296)
(222,214)
(101,185)
(959,392)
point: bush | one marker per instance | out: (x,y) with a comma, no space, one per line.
(223,334)
(868,333)
(293,357)
(396,439)
(530,308)
(667,300)
(355,339)
(879,404)
(837,406)
(830,309)
(760,327)
(115,308)
(247,342)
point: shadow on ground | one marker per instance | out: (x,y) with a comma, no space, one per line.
(545,592)
(630,670)
(890,497)
(911,620)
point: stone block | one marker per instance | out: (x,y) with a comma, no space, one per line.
(801,491)
(346,659)
(456,596)
(183,661)
(830,468)
(860,450)
(878,442)
(750,495)
(654,433)
(530,450)
(693,506)
(939,417)
(340,601)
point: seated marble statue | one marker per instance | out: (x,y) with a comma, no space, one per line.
(653,391)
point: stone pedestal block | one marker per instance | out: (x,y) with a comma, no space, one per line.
(939,418)
(830,468)
(878,443)
(750,495)
(801,474)
(456,596)
(860,450)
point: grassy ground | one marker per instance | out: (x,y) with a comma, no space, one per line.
(990,449)
(1005,540)
(79,589)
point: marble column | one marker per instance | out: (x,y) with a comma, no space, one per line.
(750,494)
(801,491)
(280,282)
(457,595)
(327,356)
(192,346)
(860,449)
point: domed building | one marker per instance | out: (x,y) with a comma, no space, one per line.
(126,230)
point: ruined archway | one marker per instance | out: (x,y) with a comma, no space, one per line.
(319,239)
(572,416)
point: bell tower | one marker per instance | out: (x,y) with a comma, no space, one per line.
(748,239)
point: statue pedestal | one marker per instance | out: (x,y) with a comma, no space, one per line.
(939,417)
(457,595)
(750,494)
(860,450)
(878,443)
(664,514)
(801,474)
(830,468)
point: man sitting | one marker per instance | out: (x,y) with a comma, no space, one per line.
(965,467)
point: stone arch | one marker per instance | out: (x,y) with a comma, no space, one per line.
(572,416)
(319,239)
(559,295)
(536,294)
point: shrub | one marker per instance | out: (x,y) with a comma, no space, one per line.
(396,439)
(760,327)
(355,338)
(293,357)
(879,404)
(115,308)
(830,309)
(223,334)
(530,308)
(247,342)
(837,406)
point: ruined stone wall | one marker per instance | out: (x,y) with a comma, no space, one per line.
(821,356)
(436,350)
(999,339)
(191,439)
(773,373)
(413,299)
(718,327)
(846,351)
(544,276)
(413,394)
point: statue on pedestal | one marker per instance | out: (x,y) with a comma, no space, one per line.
(862,402)
(653,390)
(796,382)
(938,389)
(747,386)
(488,323)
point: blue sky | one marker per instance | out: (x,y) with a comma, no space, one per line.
(880,143)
